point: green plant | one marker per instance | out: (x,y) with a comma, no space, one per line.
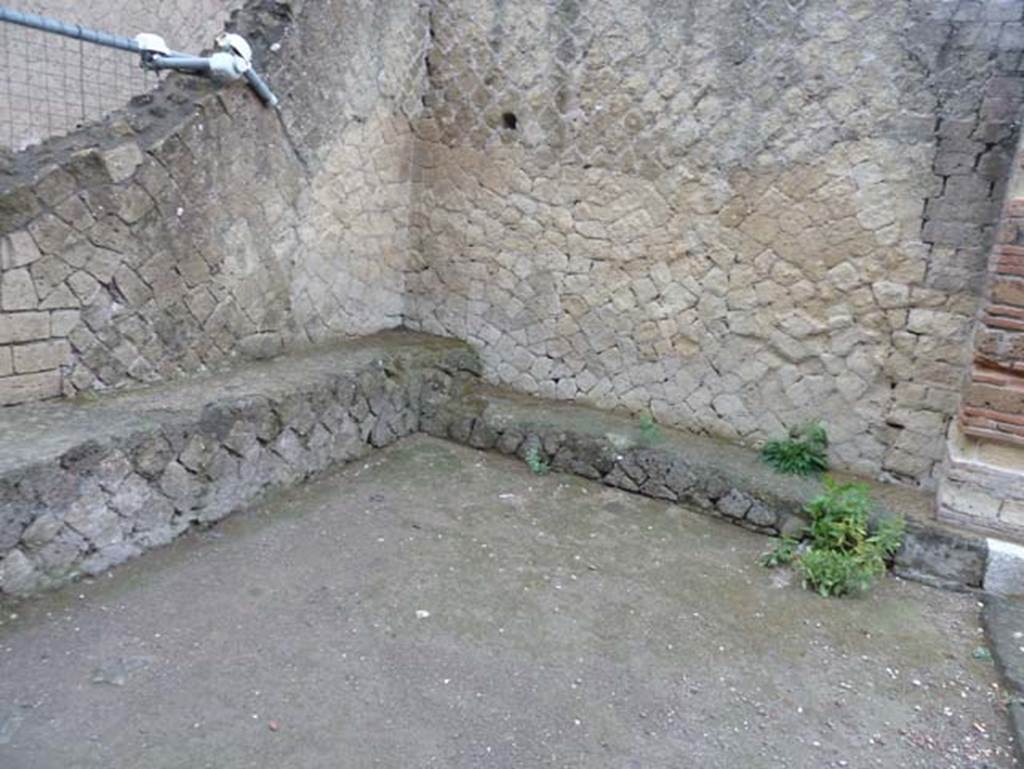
(782,554)
(649,430)
(805,452)
(536,462)
(845,553)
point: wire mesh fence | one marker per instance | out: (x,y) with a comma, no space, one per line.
(50,85)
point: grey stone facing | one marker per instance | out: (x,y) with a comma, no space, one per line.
(91,484)
(701,473)
(103,481)
(736,265)
(24,327)
(40,356)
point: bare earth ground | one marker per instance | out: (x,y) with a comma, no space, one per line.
(438,607)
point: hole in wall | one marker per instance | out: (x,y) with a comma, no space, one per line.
(510,120)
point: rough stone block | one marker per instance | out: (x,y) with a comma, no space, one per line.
(735,505)
(29,387)
(41,356)
(261,346)
(109,556)
(17,291)
(763,515)
(63,322)
(91,518)
(60,555)
(55,186)
(18,250)
(180,485)
(42,530)
(18,575)
(121,161)
(16,513)
(52,235)
(18,206)
(24,326)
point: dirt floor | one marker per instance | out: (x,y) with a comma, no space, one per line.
(438,607)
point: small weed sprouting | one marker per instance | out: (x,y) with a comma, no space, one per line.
(649,430)
(844,554)
(782,554)
(805,452)
(536,462)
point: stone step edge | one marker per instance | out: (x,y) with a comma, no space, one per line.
(713,477)
(1003,618)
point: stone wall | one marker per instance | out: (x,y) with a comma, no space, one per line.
(95,484)
(737,215)
(198,224)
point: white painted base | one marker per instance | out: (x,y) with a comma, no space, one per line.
(1004,574)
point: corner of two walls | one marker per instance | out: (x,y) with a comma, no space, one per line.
(983,480)
(198,225)
(739,217)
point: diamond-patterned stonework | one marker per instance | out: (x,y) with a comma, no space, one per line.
(737,215)
(192,230)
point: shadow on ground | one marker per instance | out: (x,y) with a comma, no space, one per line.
(439,607)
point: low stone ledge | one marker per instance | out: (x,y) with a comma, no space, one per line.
(702,473)
(85,485)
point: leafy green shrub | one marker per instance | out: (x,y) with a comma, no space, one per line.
(832,572)
(536,462)
(805,452)
(844,555)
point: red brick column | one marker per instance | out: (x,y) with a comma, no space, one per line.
(983,484)
(993,405)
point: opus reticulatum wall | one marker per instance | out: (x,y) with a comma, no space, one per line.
(738,216)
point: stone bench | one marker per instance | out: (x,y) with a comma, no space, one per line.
(708,475)
(87,484)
